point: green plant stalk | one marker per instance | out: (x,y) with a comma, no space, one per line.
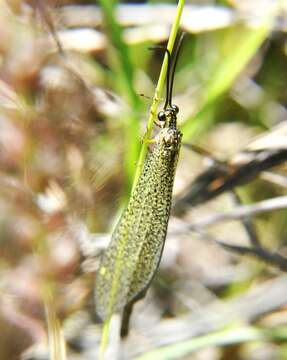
(159,88)
(158,92)
(104,338)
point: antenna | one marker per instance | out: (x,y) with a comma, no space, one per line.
(167,101)
(176,52)
(170,69)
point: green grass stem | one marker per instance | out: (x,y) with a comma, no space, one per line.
(104,338)
(158,92)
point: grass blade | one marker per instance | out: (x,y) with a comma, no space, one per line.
(248,41)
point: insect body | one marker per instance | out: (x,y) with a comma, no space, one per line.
(132,258)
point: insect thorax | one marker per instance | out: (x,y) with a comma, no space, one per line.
(169,138)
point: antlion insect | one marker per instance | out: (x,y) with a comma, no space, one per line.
(133,255)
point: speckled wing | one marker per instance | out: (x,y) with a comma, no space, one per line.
(133,255)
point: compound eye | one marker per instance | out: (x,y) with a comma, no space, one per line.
(175,108)
(161,116)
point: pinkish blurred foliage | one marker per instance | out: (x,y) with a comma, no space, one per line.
(49,126)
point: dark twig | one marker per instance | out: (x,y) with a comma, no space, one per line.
(224,176)
(259,252)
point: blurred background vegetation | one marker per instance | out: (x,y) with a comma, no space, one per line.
(71,122)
